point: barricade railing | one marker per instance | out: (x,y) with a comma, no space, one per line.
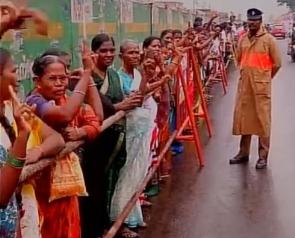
(189,110)
(31,170)
(187,118)
(191,103)
(192,65)
(219,74)
(132,201)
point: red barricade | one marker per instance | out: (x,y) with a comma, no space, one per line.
(190,106)
(191,103)
(220,73)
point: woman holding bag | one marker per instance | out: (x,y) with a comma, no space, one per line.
(59,186)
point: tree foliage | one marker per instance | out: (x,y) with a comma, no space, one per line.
(288,3)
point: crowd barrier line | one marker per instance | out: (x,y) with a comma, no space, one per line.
(193,111)
(31,170)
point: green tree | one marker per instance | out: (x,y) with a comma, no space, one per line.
(288,3)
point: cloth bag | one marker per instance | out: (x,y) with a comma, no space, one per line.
(67,178)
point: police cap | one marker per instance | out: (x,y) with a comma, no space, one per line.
(254,14)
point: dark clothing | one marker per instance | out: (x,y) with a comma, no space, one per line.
(263,146)
(100,176)
(104,158)
(114,92)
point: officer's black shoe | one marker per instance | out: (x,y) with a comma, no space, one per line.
(261,164)
(239,159)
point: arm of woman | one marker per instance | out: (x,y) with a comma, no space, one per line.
(52,144)
(203,45)
(9,175)
(89,126)
(171,69)
(153,86)
(94,100)
(92,97)
(57,115)
(63,114)
(130,102)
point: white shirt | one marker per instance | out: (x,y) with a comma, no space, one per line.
(4,138)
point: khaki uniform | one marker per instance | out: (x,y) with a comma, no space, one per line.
(259,59)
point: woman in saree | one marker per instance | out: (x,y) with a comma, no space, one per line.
(16,123)
(170,57)
(92,97)
(166,37)
(77,121)
(101,171)
(140,123)
(156,45)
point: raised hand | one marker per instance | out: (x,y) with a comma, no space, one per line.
(39,19)
(22,113)
(13,17)
(88,58)
(8,16)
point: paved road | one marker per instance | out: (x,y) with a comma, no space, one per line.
(223,201)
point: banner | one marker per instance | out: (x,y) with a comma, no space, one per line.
(77,9)
(169,17)
(126,11)
(156,16)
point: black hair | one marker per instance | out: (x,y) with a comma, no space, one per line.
(177,31)
(232,17)
(165,32)
(197,24)
(42,62)
(5,56)
(198,19)
(148,41)
(99,39)
(55,52)
(223,25)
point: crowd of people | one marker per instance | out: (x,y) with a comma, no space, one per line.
(84,192)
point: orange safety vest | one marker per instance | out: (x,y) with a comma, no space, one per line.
(257,60)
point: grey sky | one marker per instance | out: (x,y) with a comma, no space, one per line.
(269,7)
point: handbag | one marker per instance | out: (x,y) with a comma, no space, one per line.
(67,178)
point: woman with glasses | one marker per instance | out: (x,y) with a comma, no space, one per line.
(76,121)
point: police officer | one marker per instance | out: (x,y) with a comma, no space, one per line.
(259,61)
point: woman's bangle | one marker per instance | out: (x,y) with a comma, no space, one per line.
(92,85)
(14,162)
(79,92)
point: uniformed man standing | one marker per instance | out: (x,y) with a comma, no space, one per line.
(259,61)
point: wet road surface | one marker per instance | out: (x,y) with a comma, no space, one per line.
(223,201)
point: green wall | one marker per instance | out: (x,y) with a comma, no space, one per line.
(107,16)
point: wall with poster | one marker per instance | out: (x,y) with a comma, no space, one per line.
(81,10)
(120,18)
(126,11)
